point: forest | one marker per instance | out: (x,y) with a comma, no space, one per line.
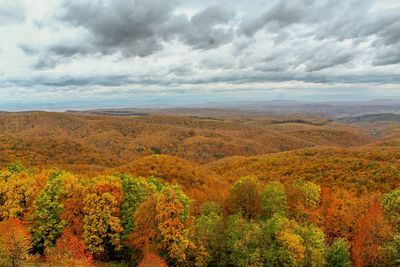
(259,190)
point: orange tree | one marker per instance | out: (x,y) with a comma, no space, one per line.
(164,225)
(15,243)
(373,231)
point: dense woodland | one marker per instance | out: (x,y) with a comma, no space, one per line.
(67,140)
(250,190)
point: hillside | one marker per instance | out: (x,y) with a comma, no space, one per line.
(363,169)
(77,140)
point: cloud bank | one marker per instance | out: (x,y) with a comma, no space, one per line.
(69,49)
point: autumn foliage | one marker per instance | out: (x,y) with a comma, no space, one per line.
(373,231)
(165,191)
(69,251)
(77,221)
(152,260)
(15,243)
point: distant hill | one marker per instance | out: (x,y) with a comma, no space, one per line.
(384,126)
(99,141)
(362,169)
(370,118)
(333,109)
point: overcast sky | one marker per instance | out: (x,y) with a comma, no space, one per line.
(113,51)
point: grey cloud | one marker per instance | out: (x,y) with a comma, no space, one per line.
(68,50)
(203,31)
(272,63)
(27,49)
(266,67)
(54,54)
(11,12)
(138,28)
(391,34)
(341,19)
(328,62)
(239,78)
(282,14)
(180,70)
(63,81)
(60,83)
(388,56)
(314,56)
(355,20)
(212,15)
(316,41)
(217,63)
(43,63)
(312,77)
(326,56)
(129,26)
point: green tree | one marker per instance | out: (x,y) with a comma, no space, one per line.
(338,254)
(314,244)
(245,197)
(311,193)
(243,242)
(391,207)
(134,191)
(392,250)
(16,167)
(273,199)
(210,233)
(210,208)
(282,245)
(47,225)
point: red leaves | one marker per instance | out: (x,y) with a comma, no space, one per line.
(69,250)
(152,260)
(372,232)
(74,246)
(15,241)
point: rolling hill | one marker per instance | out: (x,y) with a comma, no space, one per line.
(94,142)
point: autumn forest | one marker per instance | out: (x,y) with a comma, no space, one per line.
(209,189)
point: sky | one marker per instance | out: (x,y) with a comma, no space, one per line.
(95,53)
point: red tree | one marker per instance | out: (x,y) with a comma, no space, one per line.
(372,232)
(152,260)
(69,250)
(15,242)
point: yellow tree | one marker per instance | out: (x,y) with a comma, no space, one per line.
(17,193)
(102,226)
(304,198)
